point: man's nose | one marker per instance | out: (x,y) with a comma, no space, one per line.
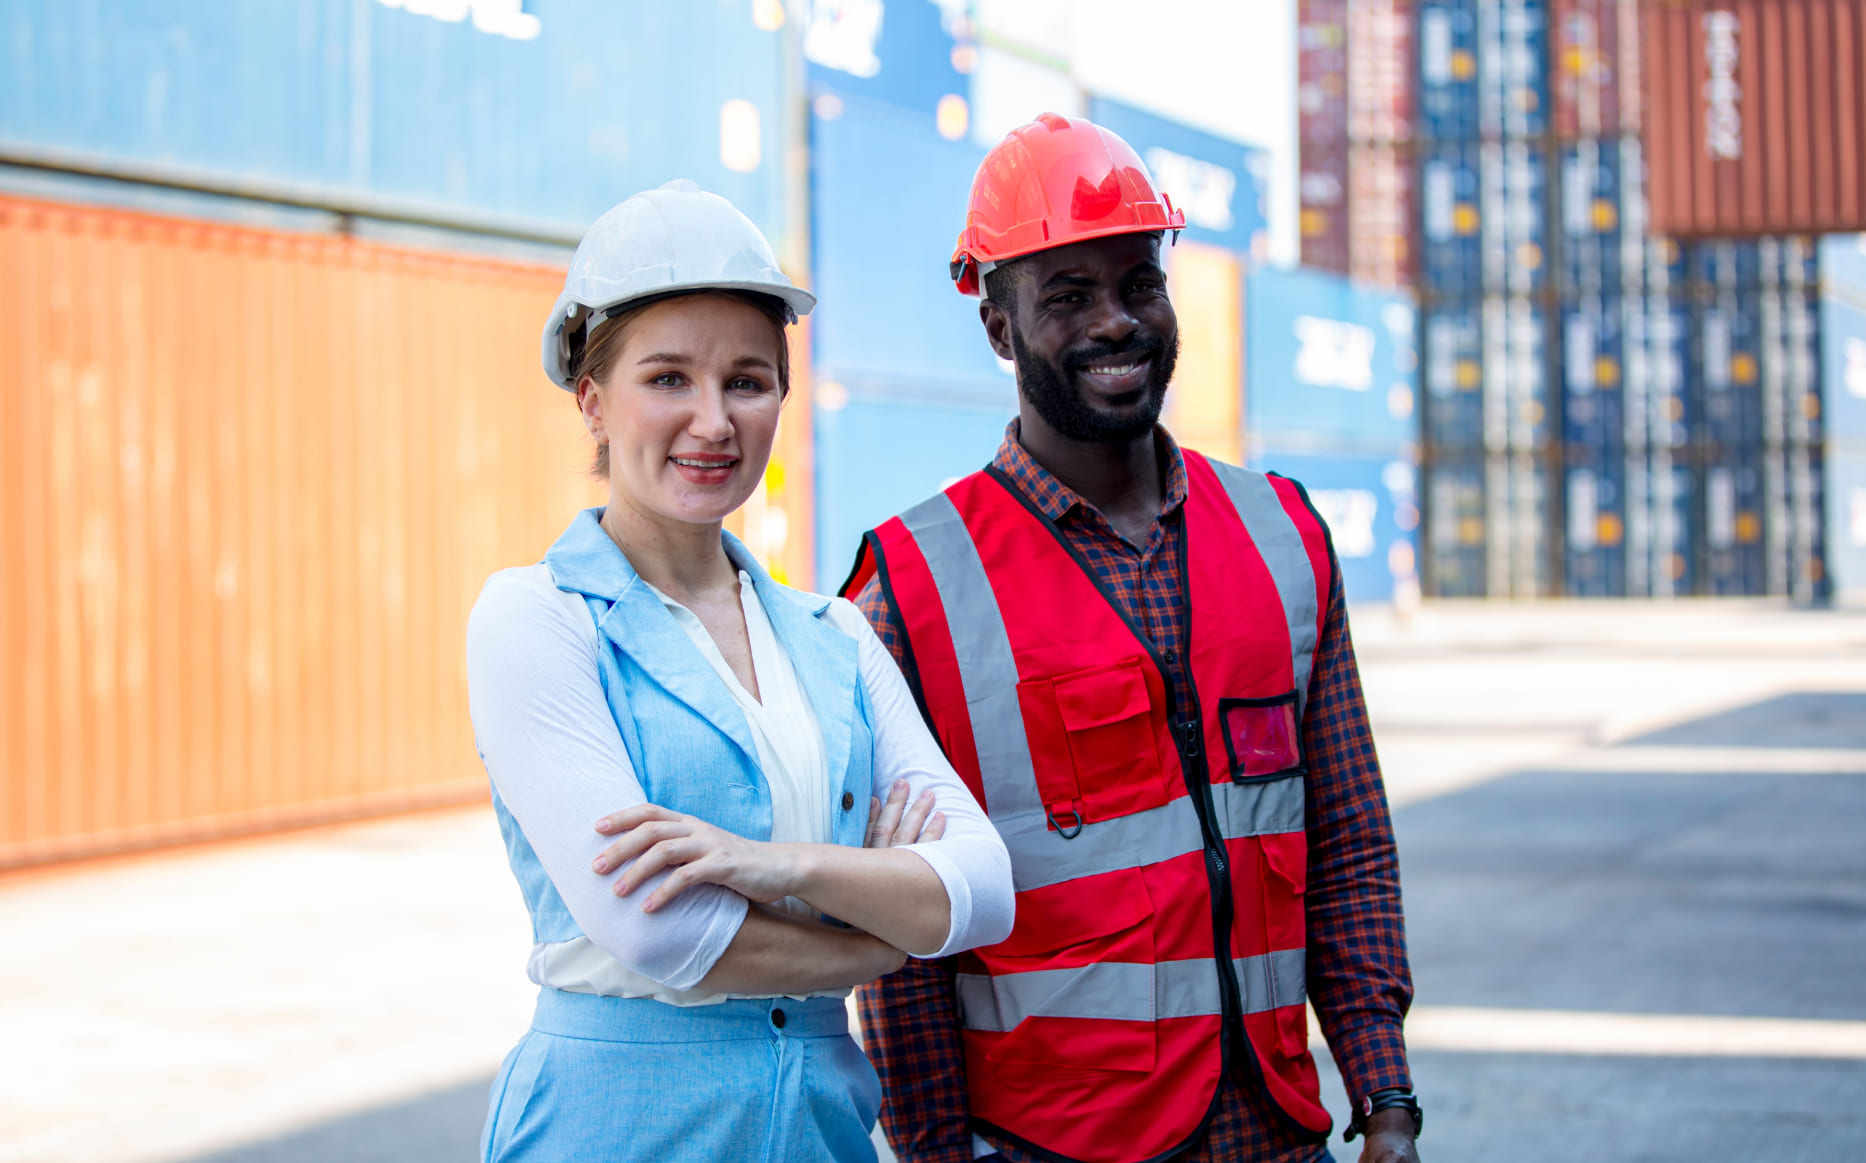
(1111,321)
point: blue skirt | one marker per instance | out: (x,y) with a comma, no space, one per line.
(609,1080)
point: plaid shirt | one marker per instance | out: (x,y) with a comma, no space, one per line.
(1359,982)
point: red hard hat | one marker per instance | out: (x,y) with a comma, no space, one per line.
(1052,182)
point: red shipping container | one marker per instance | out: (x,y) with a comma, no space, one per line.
(1596,73)
(1380,207)
(1321,72)
(1323,190)
(1754,116)
(1380,70)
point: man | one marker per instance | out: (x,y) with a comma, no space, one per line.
(1139,660)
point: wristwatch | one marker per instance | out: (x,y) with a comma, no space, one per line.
(1379,1100)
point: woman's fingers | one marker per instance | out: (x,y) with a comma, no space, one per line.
(872,837)
(916,818)
(891,812)
(706,870)
(637,840)
(678,850)
(936,827)
(633,817)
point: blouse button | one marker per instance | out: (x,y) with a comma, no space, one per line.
(777,1018)
(848,800)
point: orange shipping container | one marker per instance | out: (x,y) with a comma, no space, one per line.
(1205,408)
(1756,115)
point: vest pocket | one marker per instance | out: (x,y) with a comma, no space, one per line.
(1261,737)
(1095,747)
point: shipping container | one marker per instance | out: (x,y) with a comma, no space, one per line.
(1219,183)
(888,195)
(1322,188)
(1204,409)
(1595,258)
(919,57)
(1594,508)
(1513,205)
(1729,368)
(1380,69)
(1490,527)
(1516,369)
(882,451)
(1843,362)
(1842,262)
(241,538)
(1661,533)
(1371,507)
(1447,97)
(1011,88)
(508,121)
(1512,68)
(1595,45)
(1380,215)
(1322,74)
(1453,411)
(1733,496)
(1451,256)
(1658,372)
(1844,535)
(1331,364)
(1755,115)
(1593,350)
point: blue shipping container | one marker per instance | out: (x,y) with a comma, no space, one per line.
(1456,558)
(1517,416)
(1328,363)
(1448,103)
(1371,507)
(1512,68)
(1454,378)
(1592,213)
(1513,180)
(1219,183)
(888,198)
(1729,368)
(1842,260)
(1733,264)
(1845,520)
(1735,554)
(907,53)
(1658,372)
(540,117)
(1594,547)
(1451,220)
(1489,525)
(1594,373)
(1661,536)
(1843,363)
(877,456)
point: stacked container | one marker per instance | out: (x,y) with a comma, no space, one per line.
(1843,388)
(1332,386)
(1355,131)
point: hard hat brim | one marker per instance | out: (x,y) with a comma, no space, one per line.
(557,350)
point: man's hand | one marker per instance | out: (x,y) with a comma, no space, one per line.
(1388,1138)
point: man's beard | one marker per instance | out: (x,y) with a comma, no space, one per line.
(1052,392)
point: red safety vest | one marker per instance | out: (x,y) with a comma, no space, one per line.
(1143,835)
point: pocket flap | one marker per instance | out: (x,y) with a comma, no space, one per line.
(1107,694)
(1054,918)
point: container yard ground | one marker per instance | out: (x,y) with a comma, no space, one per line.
(1607,814)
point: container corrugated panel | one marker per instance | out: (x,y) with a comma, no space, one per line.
(1844,515)
(1451,258)
(1733,496)
(1380,215)
(1756,115)
(1219,183)
(511,113)
(1204,407)
(1323,190)
(888,198)
(1517,416)
(1842,261)
(1593,198)
(909,55)
(1331,363)
(1512,68)
(1594,507)
(1513,203)
(1321,73)
(879,454)
(1843,363)
(1659,396)
(1661,539)
(241,540)
(1729,367)
(1380,71)
(1593,350)
(1371,507)
(1488,522)
(1447,97)
(1596,67)
(1453,336)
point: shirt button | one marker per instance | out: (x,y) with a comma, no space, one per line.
(777,1018)
(1171,657)
(848,800)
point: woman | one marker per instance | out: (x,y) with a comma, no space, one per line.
(687,758)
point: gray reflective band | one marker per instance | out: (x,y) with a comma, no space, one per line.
(1279,543)
(1041,857)
(1125,991)
(987,670)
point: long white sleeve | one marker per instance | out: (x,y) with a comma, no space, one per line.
(550,743)
(970,858)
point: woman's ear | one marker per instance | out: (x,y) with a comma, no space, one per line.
(590,403)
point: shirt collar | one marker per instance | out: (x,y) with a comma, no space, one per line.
(586,560)
(1054,499)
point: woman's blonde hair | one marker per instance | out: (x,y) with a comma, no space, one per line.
(596,357)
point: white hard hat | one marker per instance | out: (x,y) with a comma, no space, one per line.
(676,238)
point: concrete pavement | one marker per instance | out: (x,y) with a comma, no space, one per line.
(1646,818)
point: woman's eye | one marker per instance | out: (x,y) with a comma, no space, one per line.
(748,385)
(666,380)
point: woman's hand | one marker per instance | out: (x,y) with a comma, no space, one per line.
(698,853)
(893,824)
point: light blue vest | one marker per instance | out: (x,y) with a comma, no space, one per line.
(685,734)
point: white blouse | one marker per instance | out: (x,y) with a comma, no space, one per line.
(557,759)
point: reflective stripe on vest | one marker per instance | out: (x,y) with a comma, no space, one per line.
(1279,542)
(1119,991)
